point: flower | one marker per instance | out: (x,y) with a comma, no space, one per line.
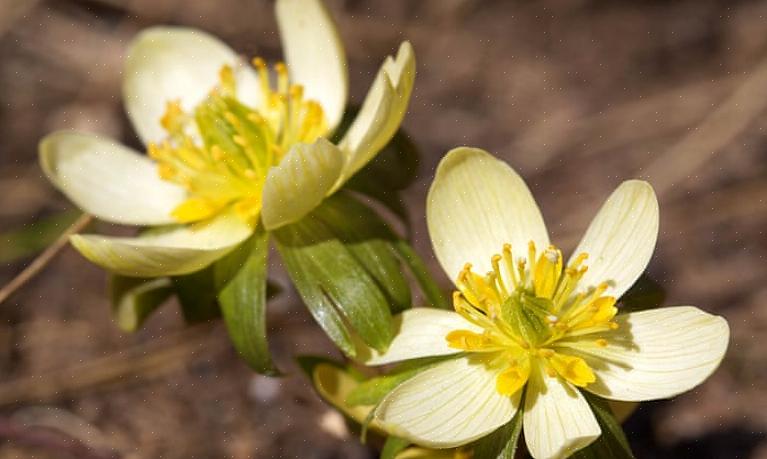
(530,331)
(230,145)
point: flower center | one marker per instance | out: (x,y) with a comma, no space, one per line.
(223,163)
(529,313)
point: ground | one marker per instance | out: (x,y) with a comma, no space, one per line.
(577,95)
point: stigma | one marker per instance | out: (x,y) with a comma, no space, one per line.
(222,150)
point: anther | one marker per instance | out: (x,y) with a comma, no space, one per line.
(217,153)
(552,319)
(551,255)
(601,342)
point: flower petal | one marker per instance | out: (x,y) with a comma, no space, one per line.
(108,180)
(656,354)
(300,182)
(558,420)
(314,54)
(381,113)
(420,333)
(621,238)
(448,405)
(477,204)
(164,64)
(165,251)
(334,385)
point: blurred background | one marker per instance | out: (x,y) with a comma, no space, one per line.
(577,95)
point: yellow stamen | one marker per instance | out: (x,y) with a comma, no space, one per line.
(513,378)
(573,369)
(526,312)
(225,167)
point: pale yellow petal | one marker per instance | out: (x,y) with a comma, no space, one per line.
(300,182)
(165,251)
(558,420)
(656,354)
(334,385)
(382,111)
(421,332)
(314,54)
(621,238)
(448,405)
(108,180)
(166,64)
(477,204)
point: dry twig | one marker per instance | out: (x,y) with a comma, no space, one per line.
(39,263)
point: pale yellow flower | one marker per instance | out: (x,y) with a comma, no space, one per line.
(531,331)
(230,144)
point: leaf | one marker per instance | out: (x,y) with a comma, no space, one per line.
(241,276)
(646,293)
(344,298)
(134,299)
(372,391)
(612,443)
(369,240)
(501,444)
(393,446)
(196,294)
(429,287)
(34,237)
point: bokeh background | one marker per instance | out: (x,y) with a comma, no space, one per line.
(578,95)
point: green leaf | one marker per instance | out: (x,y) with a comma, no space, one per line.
(134,299)
(34,237)
(646,293)
(429,287)
(372,391)
(612,443)
(196,294)
(341,294)
(241,276)
(501,444)
(393,446)
(369,240)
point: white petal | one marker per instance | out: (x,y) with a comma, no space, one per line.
(656,354)
(108,180)
(477,204)
(621,238)
(314,54)
(420,333)
(175,63)
(448,405)
(300,182)
(381,113)
(558,420)
(165,251)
